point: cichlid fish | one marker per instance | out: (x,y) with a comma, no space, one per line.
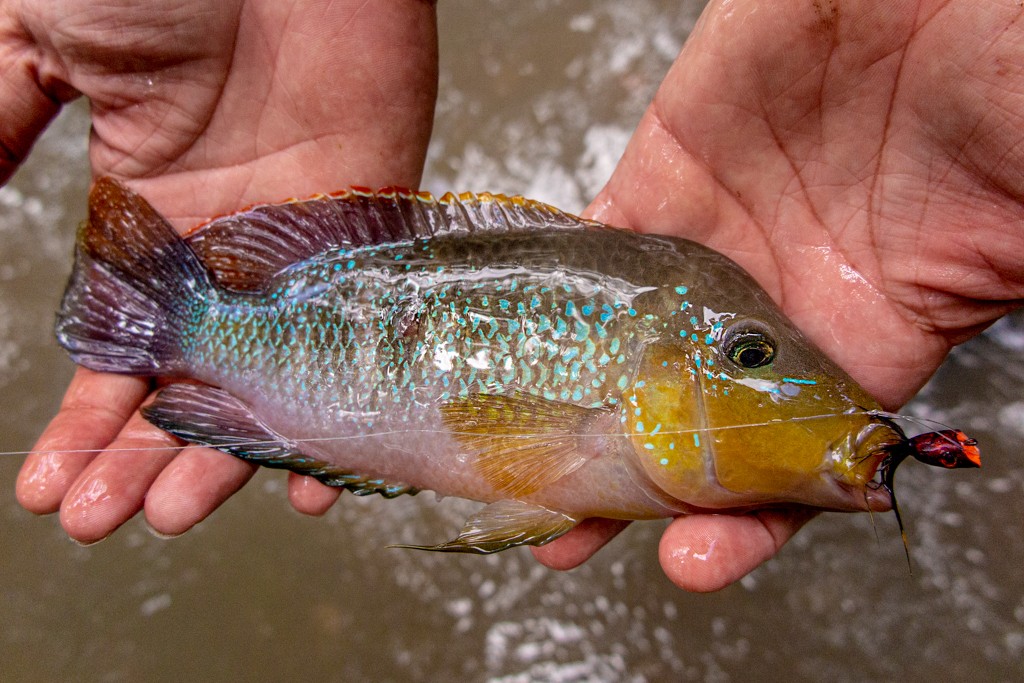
(480,346)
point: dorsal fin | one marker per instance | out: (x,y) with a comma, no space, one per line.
(246,249)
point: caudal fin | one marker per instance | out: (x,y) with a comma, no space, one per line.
(136,288)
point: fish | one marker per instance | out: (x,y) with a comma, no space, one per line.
(482,346)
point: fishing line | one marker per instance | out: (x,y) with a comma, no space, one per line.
(926,422)
(537,435)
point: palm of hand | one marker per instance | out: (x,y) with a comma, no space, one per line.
(865,173)
(208,106)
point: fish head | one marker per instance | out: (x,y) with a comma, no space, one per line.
(737,409)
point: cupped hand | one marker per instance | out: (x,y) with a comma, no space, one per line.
(204,107)
(864,161)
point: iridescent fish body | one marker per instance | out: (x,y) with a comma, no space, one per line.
(485,347)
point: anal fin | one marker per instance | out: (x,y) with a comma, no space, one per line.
(503,525)
(212,417)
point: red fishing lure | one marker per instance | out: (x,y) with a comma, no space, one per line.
(949,448)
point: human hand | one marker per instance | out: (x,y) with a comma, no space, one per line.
(206,106)
(864,162)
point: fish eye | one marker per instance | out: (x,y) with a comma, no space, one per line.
(748,345)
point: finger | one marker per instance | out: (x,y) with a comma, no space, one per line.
(309,496)
(95,408)
(573,549)
(113,486)
(192,486)
(704,553)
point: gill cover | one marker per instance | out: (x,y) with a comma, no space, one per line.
(664,421)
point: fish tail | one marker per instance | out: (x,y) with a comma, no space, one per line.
(135,291)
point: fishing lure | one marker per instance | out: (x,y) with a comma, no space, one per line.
(480,346)
(948,448)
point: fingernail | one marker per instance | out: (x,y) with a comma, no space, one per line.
(160,534)
(86,544)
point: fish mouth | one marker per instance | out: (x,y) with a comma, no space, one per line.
(864,464)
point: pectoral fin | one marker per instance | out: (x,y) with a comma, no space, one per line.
(212,417)
(503,525)
(523,442)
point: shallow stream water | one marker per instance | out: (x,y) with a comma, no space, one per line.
(537,98)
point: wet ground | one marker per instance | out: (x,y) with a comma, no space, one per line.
(258,592)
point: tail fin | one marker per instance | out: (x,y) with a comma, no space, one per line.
(135,289)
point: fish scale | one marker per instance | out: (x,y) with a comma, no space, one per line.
(463,333)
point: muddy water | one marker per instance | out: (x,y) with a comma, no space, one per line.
(258,592)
